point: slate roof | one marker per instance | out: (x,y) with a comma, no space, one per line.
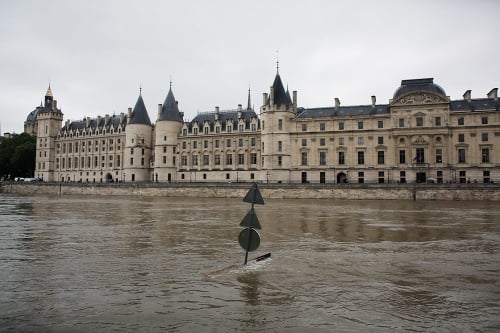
(428,84)
(224,116)
(475,104)
(342,111)
(139,113)
(170,109)
(113,122)
(280,95)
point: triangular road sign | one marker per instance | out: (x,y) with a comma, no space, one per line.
(254,196)
(251,220)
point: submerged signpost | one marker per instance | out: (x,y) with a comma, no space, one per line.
(249,238)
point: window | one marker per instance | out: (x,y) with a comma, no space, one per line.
(304,158)
(164,149)
(462,176)
(484,137)
(280,146)
(341,157)
(304,127)
(380,124)
(321,126)
(360,125)
(131,161)
(241,159)
(165,138)
(206,160)
(184,160)
(205,144)
(217,159)
(461,121)
(419,157)
(252,142)
(142,160)
(229,159)
(437,121)
(241,128)
(184,145)
(217,129)
(254,127)
(164,159)
(381,157)
(402,177)
(461,137)
(240,143)
(341,141)
(253,158)
(439,176)
(205,130)
(401,122)
(184,132)
(322,158)
(341,126)
(142,151)
(381,179)
(380,140)
(228,143)
(461,156)
(361,141)
(361,157)
(280,160)
(280,124)
(361,177)
(217,142)
(484,120)
(439,156)
(402,156)
(486,176)
(322,142)
(195,130)
(485,155)
(195,160)
(419,121)
(304,142)
(195,144)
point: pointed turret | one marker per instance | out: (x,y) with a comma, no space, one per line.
(249,104)
(48,98)
(49,92)
(279,95)
(170,109)
(140,114)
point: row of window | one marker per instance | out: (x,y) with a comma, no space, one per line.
(218,129)
(95,162)
(89,132)
(217,143)
(217,158)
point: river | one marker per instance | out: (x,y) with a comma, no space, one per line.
(126,264)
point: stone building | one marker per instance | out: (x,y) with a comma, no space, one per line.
(420,135)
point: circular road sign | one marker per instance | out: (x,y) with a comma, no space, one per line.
(249,235)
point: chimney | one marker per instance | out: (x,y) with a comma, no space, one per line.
(106,119)
(54,105)
(271,96)
(294,94)
(337,103)
(240,113)
(264,98)
(217,113)
(122,116)
(159,110)
(467,95)
(129,115)
(98,121)
(493,94)
(374,101)
(87,122)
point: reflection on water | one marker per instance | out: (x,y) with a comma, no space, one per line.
(124,264)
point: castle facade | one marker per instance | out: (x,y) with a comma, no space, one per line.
(420,135)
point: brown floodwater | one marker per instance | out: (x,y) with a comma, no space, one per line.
(84,263)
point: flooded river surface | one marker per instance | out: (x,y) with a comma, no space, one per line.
(126,264)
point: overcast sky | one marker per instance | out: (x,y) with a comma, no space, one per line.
(96,53)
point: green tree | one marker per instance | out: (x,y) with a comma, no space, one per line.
(17,156)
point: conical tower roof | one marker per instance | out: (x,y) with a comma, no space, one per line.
(139,113)
(280,95)
(49,92)
(170,109)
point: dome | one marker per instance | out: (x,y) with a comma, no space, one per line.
(33,115)
(408,86)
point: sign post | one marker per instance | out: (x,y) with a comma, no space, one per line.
(249,239)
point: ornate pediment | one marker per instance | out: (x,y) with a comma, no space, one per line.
(420,141)
(419,98)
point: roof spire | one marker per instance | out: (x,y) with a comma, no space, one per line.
(140,89)
(170,81)
(277,63)
(249,107)
(49,91)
